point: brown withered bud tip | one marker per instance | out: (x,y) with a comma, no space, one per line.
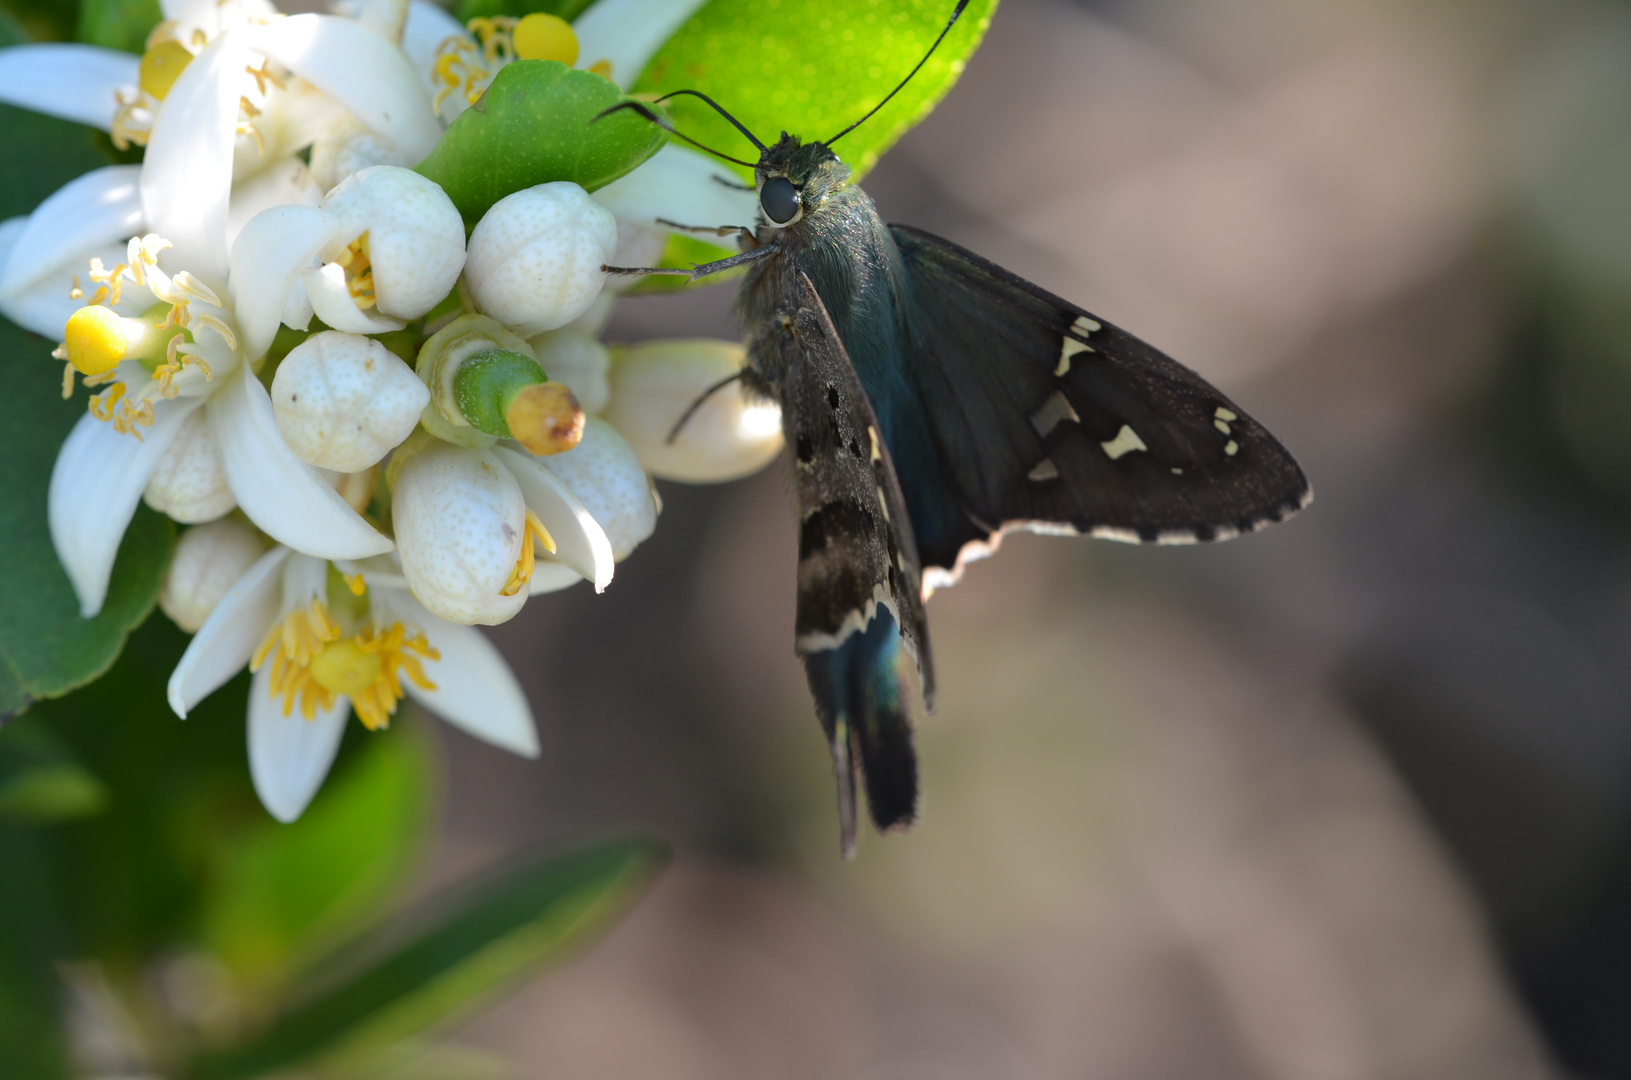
(546,418)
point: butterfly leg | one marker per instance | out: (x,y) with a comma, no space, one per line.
(697,270)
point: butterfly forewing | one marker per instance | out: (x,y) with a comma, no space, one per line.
(1046,417)
(860,612)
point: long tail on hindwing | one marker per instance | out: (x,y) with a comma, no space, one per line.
(861,697)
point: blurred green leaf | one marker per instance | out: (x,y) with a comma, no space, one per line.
(46,648)
(40,780)
(473,9)
(44,20)
(511,928)
(12,31)
(31,934)
(812,69)
(532,127)
(118,24)
(282,893)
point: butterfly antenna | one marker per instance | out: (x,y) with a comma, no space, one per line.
(635,106)
(685,417)
(720,109)
(961,4)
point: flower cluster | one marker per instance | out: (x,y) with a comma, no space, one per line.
(381,429)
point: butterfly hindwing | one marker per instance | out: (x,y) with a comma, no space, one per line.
(860,611)
(1046,417)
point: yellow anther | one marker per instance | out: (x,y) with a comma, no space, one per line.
(263,75)
(396,651)
(545,37)
(344,668)
(76,293)
(356,584)
(96,340)
(161,66)
(359,272)
(603,68)
(521,576)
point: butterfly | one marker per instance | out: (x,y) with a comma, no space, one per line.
(933,401)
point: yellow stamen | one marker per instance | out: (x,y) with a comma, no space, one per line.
(263,75)
(344,668)
(375,704)
(161,66)
(359,272)
(603,68)
(292,644)
(356,584)
(95,339)
(545,37)
(521,575)
(76,293)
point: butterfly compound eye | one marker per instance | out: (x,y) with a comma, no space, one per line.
(780,200)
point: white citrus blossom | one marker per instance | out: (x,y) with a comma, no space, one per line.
(324,641)
(230,307)
(208,561)
(535,257)
(729,435)
(470,522)
(343,401)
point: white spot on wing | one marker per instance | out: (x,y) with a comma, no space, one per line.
(1231,448)
(1221,425)
(1125,442)
(872,433)
(1085,326)
(1069,349)
(1053,412)
(1225,414)
(1045,470)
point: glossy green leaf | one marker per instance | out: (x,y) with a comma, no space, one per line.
(118,24)
(507,931)
(473,9)
(32,1041)
(46,649)
(41,780)
(812,69)
(282,893)
(533,126)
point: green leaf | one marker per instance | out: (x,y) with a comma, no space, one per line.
(534,126)
(477,9)
(44,20)
(812,69)
(40,779)
(526,920)
(46,648)
(281,893)
(118,24)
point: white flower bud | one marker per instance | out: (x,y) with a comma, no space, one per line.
(596,315)
(209,560)
(189,485)
(728,437)
(415,236)
(535,257)
(579,361)
(459,518)
(342,401)
(606,476)
(347,147)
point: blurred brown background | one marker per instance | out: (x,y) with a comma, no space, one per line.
(1344,800)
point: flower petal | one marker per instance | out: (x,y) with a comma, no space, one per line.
(678,184)
(580,542)
(475,689)
(629,33)
(550,576)
(370,76)
(75,82)
(289,755)
(332,301)
(100,208)
(271,253)
(428,26)
(44,307)
(96,482)
(226,641)
(285,183)
(286,498)
(187,171)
